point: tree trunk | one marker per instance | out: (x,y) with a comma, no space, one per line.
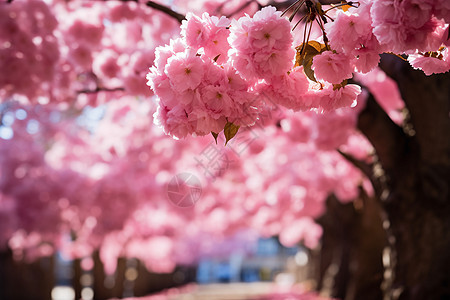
(21,280)
(413,187)
(350,265)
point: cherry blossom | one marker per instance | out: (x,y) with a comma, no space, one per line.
(105,184)
(262,45)
(431,63)
(332,67)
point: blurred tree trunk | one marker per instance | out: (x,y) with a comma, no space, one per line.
(350,265)
(411,180)
(133,279)
(20,280)
(77,272)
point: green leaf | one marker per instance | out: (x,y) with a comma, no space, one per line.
(230,131)
(215,135)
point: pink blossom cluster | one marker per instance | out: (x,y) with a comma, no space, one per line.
(117,201)
(401,26)
(296,92)
(31,191)
(99,208)
(223,71)
(28,58)
(262,45)
(359,35)
(351,36)
(199,78)
(114,57)
(58,52)
(218,71)
(209,33)
(196,95)
(431,63)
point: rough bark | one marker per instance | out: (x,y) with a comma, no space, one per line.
(413,186)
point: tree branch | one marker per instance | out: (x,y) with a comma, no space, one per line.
(101,89)
(277,4)
(162,8)
(372,172)
(286,3)
(179,17)
(361,165)
(387,138)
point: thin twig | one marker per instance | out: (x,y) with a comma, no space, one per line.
(166,10)
(101,89)
(361,165)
